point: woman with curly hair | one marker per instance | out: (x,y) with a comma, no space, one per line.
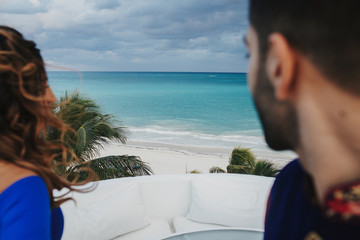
(28,209)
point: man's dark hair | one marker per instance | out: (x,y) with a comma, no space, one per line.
(327,32)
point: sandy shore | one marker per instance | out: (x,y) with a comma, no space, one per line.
(178,159)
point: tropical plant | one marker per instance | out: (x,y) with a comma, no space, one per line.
(243,161)
(216,170)
(92,130)
(264,168)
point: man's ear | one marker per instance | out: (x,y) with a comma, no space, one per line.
(280,65)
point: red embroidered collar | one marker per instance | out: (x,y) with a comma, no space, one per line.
(342,203)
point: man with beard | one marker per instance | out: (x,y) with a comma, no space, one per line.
(304,76)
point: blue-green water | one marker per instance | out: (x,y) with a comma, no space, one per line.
(201,109)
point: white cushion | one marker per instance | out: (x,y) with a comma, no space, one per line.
(166,198)
(94,192)
(118,214)
(158,229)
(229,203)
(183,224)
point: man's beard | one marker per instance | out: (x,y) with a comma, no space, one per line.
(278,118)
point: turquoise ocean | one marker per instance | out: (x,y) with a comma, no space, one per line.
(192,109)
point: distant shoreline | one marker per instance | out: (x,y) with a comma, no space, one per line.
(177,159)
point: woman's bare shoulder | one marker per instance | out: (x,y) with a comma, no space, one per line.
(10,173)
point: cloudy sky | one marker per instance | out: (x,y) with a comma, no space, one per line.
(134,35)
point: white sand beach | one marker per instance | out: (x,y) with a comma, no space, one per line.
(179,159)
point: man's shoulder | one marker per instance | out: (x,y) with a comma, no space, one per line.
(290,178)
(291,170)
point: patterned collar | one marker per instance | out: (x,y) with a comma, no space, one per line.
(342,203)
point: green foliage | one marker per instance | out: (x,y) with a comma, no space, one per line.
(195,171)
(242,157)
(264,168)
(216,170)
(92,131)
(113,167)
(243,161)
(235,169)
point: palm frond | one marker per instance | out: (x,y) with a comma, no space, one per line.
(113,167)
(264,168)
(93,129)
(243,161)
(242,157)
(238,169)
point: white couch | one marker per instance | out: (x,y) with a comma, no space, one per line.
(155,207)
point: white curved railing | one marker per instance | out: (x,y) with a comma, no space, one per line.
(159,206)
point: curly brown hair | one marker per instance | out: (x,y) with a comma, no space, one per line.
(24,118)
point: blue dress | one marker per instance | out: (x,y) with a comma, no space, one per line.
(25,212)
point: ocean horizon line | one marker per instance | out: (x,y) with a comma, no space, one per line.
(103,71)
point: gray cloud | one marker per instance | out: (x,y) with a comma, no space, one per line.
(23,6)
(105,4)
(135,35)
